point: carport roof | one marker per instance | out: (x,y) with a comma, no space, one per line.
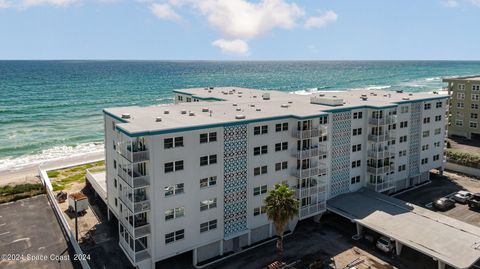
(446,239)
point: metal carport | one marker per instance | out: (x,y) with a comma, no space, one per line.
(446,240)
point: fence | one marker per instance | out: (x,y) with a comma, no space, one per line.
(61,218)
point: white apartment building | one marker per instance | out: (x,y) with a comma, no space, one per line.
(192,176)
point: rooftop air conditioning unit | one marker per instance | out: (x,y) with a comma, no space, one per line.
(205,109)
(240,117)
(126,116)
(166,112)
(183,112)
(266,96)
(191,114)
(158,119)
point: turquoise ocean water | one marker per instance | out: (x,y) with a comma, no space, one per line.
(50,109)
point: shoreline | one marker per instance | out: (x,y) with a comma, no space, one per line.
(29,173)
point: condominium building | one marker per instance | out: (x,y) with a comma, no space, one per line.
(464,107)
(192,176)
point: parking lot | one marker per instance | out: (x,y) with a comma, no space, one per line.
(30,232)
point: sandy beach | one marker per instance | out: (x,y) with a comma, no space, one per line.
(29,173)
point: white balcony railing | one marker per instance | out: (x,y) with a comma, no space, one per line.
(383,121)
(311,209)
(301,134)
(380,170)
(134,180)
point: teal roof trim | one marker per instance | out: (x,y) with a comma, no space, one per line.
(199,97)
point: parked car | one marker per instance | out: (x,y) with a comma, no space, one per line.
(444,203)
(385,244)
(474,201)
(462,196)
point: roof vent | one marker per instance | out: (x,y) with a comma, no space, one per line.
(405,98)
(364,98)
(385,95)
(258,109)
(240,117)
(205,109)
(239,96)
(211,88)
(209,91)
(254,96)
(322,95)
(126,116)
(399,91)
(166,112)
(290,102)
(284,105)
(191,113)
(158,119)
(410,94)
(238,109)
(235,104)
(239,92)
(364,95)
(252,105)
(230,92)
(206,89)
(183,112)
(266,96)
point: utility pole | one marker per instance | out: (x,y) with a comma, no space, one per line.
(76,219)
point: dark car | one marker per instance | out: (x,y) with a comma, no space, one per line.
(444,203)
(474,201)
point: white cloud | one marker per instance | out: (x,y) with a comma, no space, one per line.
(164,11)
(322,20)
(236,46)
(450,3)
(475,2)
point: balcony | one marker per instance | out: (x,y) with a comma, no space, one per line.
(383,121)
(380,170)
(133,153)
(136,256)
(315,170)
(379,138)
(303,134)
(305,153)
(312,209)
(380,154)
(140,204)
(133,179)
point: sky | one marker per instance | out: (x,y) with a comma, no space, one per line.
(240,29)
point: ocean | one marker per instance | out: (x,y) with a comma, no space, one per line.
(52,109)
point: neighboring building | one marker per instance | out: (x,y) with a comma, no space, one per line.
(192,176)
(464,107)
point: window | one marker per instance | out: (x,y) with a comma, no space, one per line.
(175,236)
(116,202)
(206,160)
(323,120)
(475,87)
(427,106)
(174,213)
(438,105)
(404,109)
(356,148)
(173,166)
(461,87)
(180,98)
(355,179)
(402,153)
(424,147)
(403,139)
(174,189)
(259,210)
(404,124)
(460,95)
(114,164)
(436,144)
(189,99)
(260,170)
(259,190)
(208,204)
(424,161)
(115,182)
(475,97)
(402,167)
(281,166)
(208,226)
(357,131)
(208,182)
(474,115)
(279,127)
(459,122)
(460,105)
(257,130)
(208,137)
(473,124)
(260,150)
(438,118)
(281,146)
(356,163)
(357,115)
(438,131)
(426,134)
(306,201)
(392,126)
(426,120)
(322,138)
(474,106)
(436,157)
(169,143)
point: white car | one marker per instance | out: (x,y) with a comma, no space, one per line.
(462,196)
(385,244)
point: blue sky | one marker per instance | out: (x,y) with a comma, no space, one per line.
(240,29)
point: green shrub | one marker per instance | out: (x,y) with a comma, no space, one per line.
(53,173)
(463,158)
(11,193)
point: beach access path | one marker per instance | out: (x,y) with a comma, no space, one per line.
(29,173)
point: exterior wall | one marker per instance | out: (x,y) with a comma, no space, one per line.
(463,114)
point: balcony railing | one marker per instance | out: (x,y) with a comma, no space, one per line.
(380,170)
(305,153)
(383,121)
(379,138)
(311,209)
(134,180)
(137,256)
(314,170)
(380,154)
(137,205)
(300,134)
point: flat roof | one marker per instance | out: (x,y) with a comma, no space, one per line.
(449,240)
(467,78)
(99,183)
(250,104)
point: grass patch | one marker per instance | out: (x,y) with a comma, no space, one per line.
(12,193)
(53,174)
(63,177)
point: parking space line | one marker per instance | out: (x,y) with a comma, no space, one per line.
(4,233)
(2,224)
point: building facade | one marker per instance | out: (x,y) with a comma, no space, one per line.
(464,107)
(192,176)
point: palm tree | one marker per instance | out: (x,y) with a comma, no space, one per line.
(281,206)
